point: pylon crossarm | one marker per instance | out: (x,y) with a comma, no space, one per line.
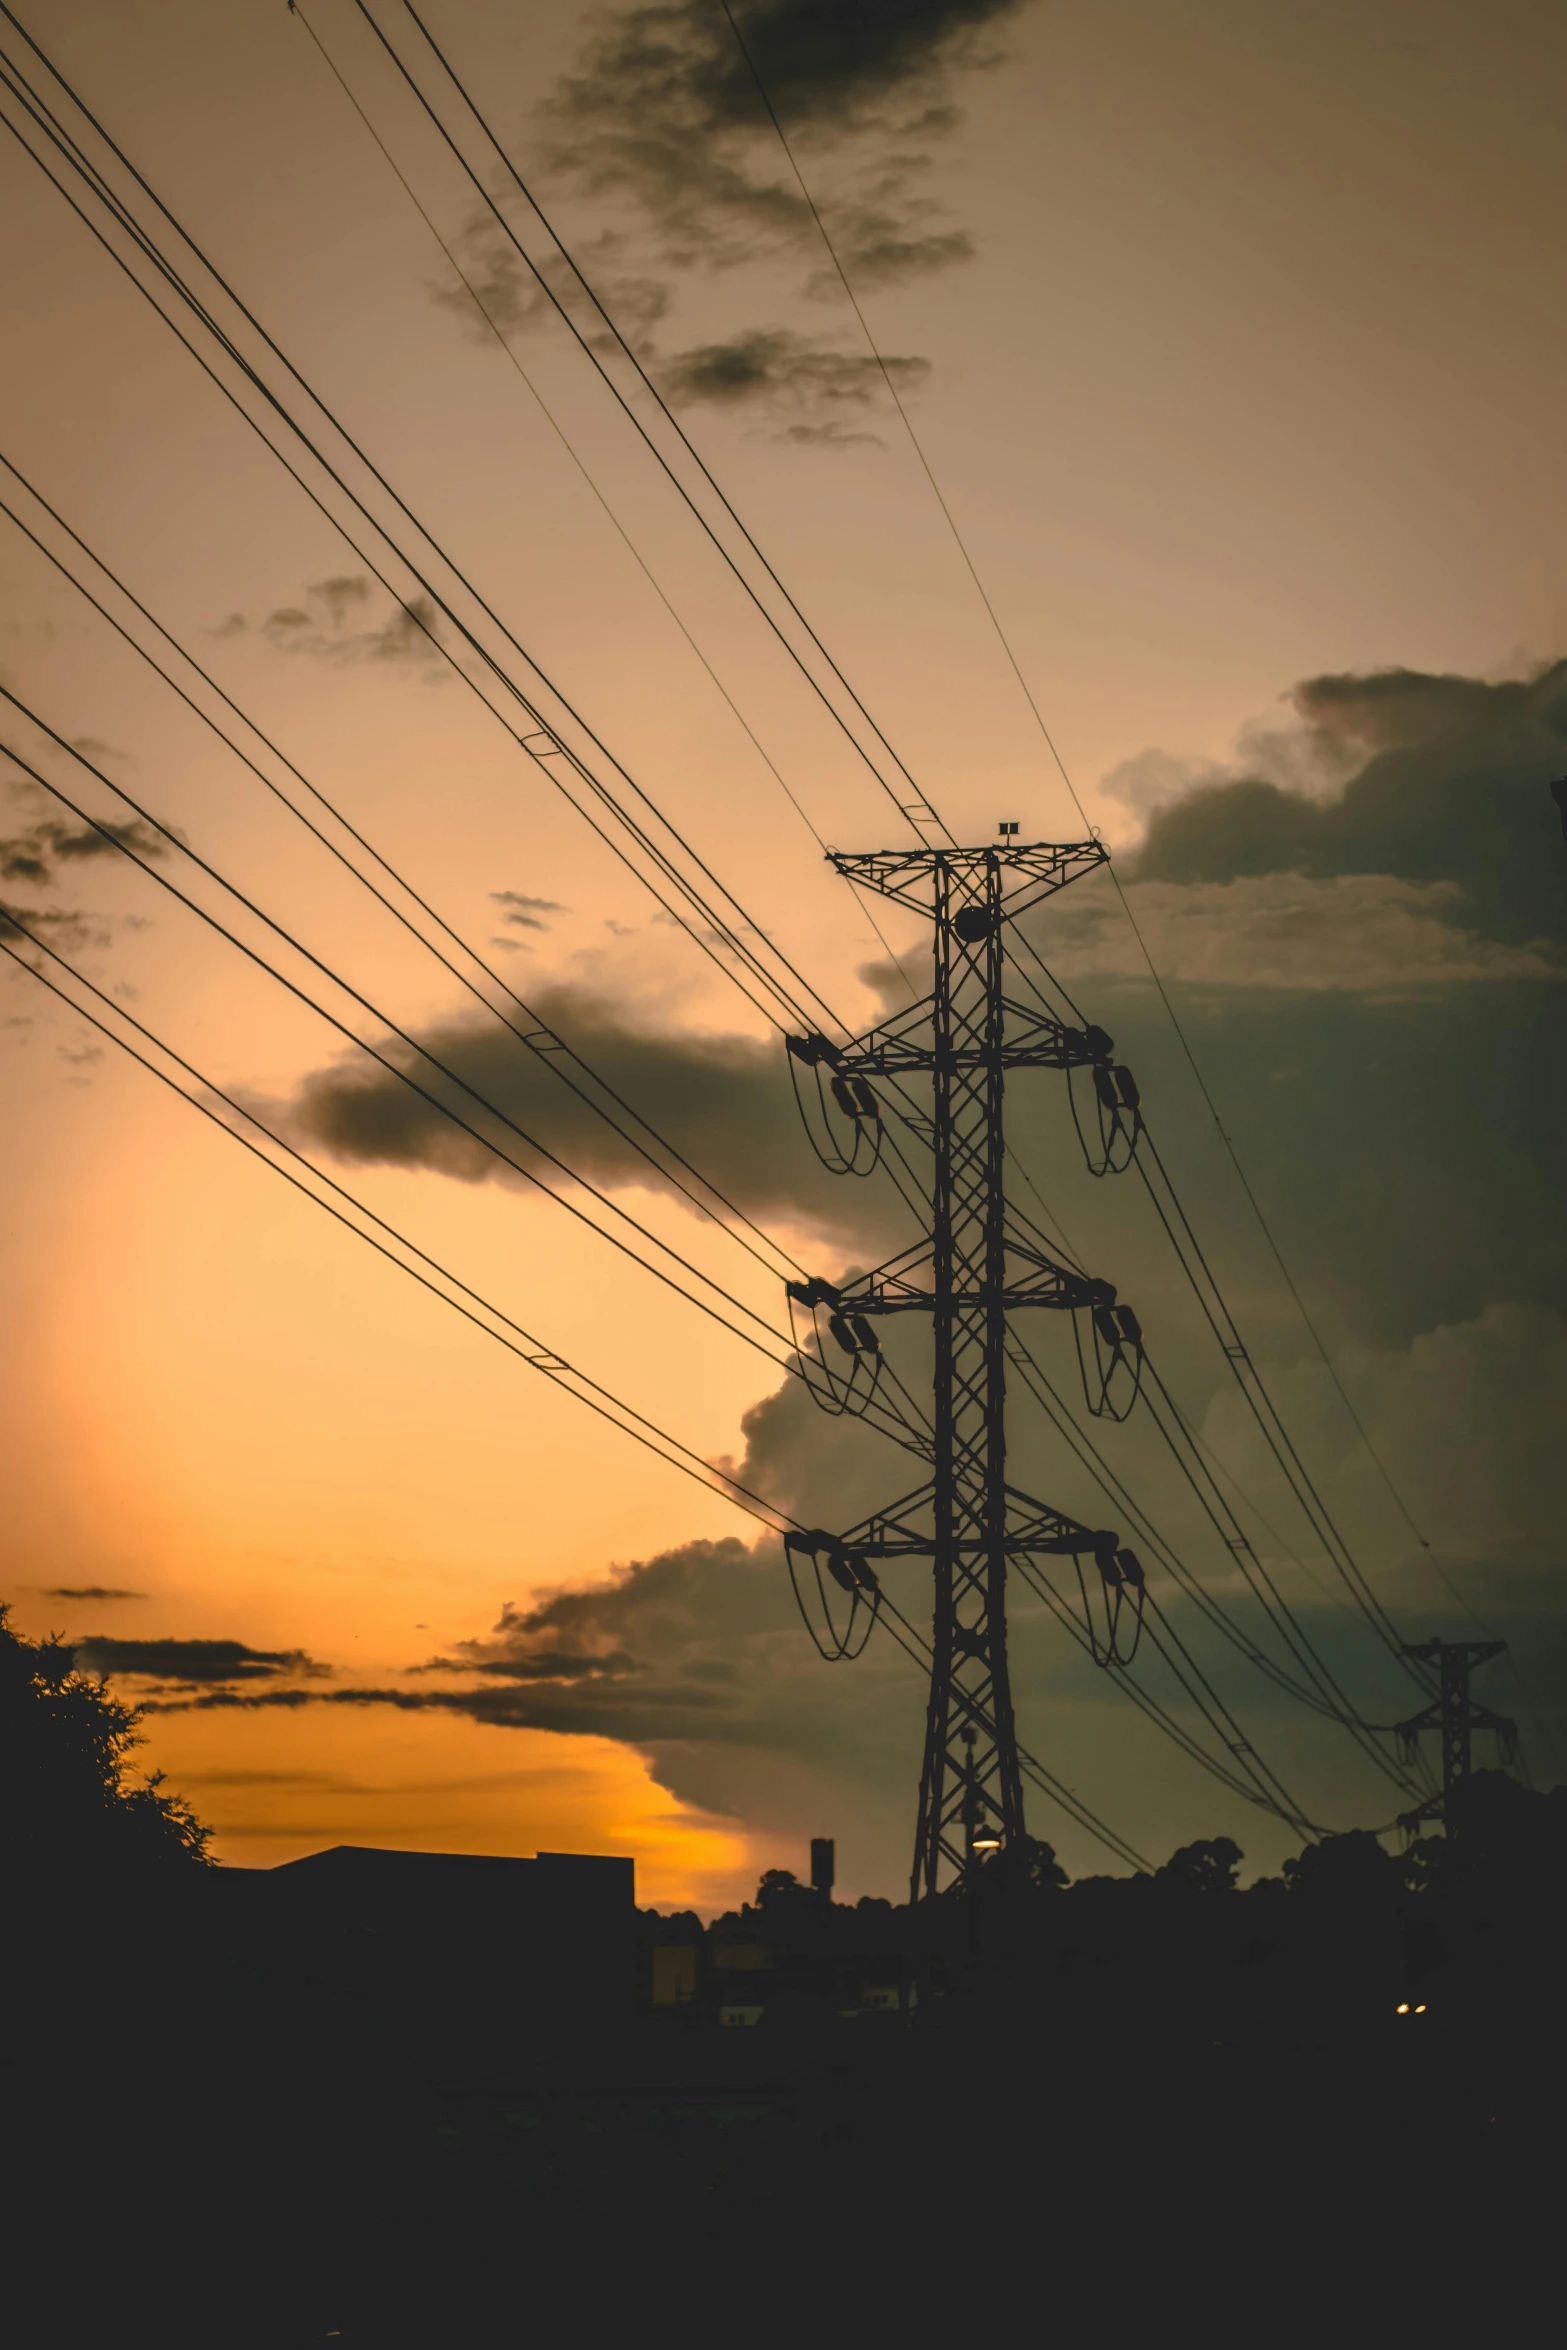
(906,1284)
(914,877)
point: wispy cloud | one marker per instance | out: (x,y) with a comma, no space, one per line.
(525,913)
(800,387)
(661,131)
(190,1662)
(102,1591)
(338,623)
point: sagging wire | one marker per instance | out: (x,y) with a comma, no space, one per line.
(1054,1408)
(547,1046)
(516,1340)
(1259,1402)
(851,1333)
(1118,1109)
(1282,1804)
(852,1574)
(1120,1574)
(1116,1382)
(855,1098)
(1114,1105)
(1115,1086)
(703,924)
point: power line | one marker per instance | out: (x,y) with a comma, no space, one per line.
(911,811)
(541,1040)
(1260,1403)
(1081,1443)
(1257,1793)
(118,212)
(532,1351)
(788,1362)
(709,918)
(1006,646)
(360,453)
(504,344)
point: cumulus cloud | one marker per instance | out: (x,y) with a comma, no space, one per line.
(1398,835)
(1447,781)
(724,1101)
(696,1658)
(1361,933)
(338,623)
(1364,939)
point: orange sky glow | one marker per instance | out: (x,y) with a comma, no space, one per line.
(1244,383)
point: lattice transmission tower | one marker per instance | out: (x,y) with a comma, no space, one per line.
(979,1265)
(1455,1717)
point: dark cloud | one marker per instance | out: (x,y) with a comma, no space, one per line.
(526,913)
(62,928)
(192,1661)
(804,389)
(725,1101)
(695,1657)
(44,854)
(663,100)
(85,1591)
(1449,787)
(39,855)
(337,623)
(845,63)
(1361,929)
(661,127)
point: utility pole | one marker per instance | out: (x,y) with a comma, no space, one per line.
(1455,1717)
(977,1266)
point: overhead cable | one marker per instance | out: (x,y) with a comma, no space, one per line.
(884,1420)
(520,1343)
(785,992)
(1045,732)
(544,1042)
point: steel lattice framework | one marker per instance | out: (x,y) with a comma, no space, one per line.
(976,1268)
(1455,1717)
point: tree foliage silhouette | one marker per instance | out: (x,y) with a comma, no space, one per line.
(1208,1866)
(64,1744)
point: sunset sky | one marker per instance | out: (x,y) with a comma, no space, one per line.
(1232,335)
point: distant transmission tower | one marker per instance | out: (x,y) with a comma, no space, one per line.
(1455,1717)
(979,1265)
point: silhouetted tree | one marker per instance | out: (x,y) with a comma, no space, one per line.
(1344,1870)
(1208,1866)
(64,1797)
(1425,1865)
(1030,1865)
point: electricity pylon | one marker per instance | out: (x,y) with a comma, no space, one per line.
(978,1266)
(1453,1714)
